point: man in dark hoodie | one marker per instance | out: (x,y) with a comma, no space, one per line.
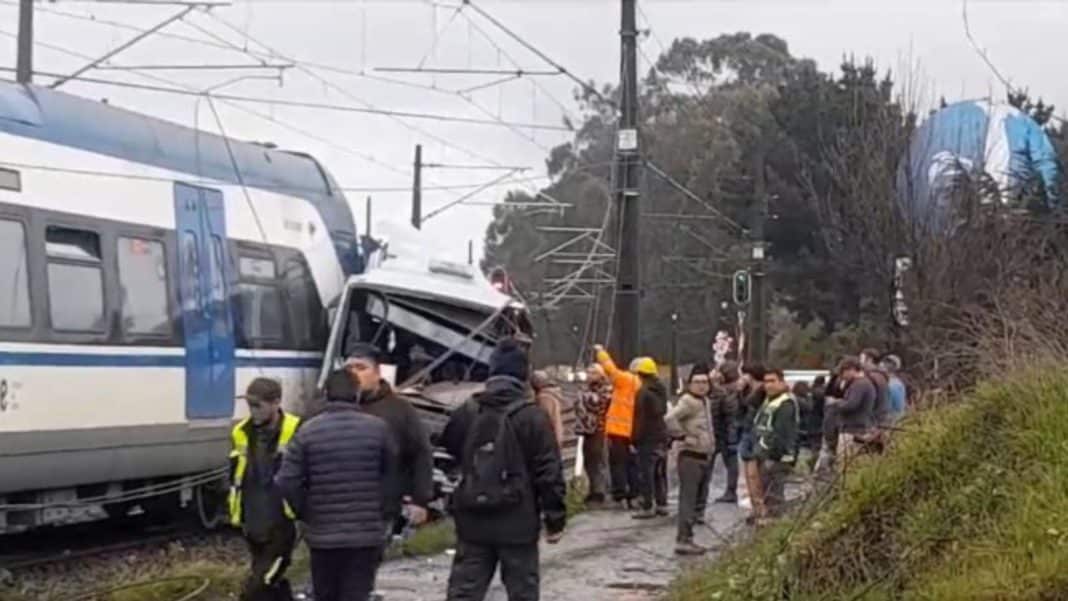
(512,478)
(333,476)
(650,438)
(415,473)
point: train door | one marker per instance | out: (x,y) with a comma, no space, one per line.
(203,267)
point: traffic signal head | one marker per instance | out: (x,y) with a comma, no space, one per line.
(741,287)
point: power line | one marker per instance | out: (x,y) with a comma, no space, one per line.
(90,18)
(124,46)
(349,94)
(522,42)
(343,91)
(488,38)
(340,147)
(295,103)
(290,189)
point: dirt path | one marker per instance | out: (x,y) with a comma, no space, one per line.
(605,556)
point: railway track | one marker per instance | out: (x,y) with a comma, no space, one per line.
(73,545)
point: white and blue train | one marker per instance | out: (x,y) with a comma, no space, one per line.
(148,272)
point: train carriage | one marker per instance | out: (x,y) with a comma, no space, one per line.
(148,271)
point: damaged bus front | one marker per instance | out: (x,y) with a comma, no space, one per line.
(437,323)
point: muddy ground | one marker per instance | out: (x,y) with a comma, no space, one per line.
(605,556)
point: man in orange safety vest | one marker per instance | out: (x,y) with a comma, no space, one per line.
(619,430)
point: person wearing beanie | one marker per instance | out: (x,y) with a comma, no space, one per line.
(413,489)
(690,422)
(511,483)
(509,360)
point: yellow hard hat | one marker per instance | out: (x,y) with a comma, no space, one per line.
(644,366)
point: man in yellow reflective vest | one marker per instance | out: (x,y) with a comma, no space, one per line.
(776,430)
(256,505)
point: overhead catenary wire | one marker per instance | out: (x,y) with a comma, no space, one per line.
(345,92)
(515,127)
(292,189)
(295,103)
(311,73)
(281,123)
(524,43)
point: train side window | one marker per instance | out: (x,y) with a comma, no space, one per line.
(15,295)
(75,279)
(143,286)
(309,326)
(190,281)
(262,313)
(262,306)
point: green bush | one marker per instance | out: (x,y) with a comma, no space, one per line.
(969,504)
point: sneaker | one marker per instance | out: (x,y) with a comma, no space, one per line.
(662,511)
(730,498)
(700,520)
(689,548)
(644,514)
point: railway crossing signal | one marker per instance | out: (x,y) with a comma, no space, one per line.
(743,286)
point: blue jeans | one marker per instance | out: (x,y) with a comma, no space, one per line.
(747,446)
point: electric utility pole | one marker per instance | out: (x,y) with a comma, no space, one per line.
(24,64)
(626,325)
(417,188)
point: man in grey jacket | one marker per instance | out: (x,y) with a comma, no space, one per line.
(334,477)
(690,422)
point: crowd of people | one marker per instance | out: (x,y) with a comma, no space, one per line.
(348,477)
(749,418)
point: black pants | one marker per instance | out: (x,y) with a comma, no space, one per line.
(344,574)
(593,453)
(473,567)
(729,456)
(652,475)
(694,473)
(624,469)
(270,559)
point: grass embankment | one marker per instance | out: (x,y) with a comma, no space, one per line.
(971,504)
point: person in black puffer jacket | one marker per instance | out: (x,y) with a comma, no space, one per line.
(333,475)
(506,534)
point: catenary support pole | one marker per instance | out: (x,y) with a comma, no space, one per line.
(417,188)
(24,62)
(758,340)
(626,335)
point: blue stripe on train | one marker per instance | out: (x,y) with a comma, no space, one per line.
(8,358)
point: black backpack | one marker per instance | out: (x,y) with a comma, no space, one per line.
(493,470)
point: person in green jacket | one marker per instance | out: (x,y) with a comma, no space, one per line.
(776,429)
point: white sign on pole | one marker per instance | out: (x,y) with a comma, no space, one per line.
(627,140)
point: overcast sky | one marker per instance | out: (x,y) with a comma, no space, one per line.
(372,154)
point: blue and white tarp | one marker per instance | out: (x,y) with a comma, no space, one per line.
(995,146)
